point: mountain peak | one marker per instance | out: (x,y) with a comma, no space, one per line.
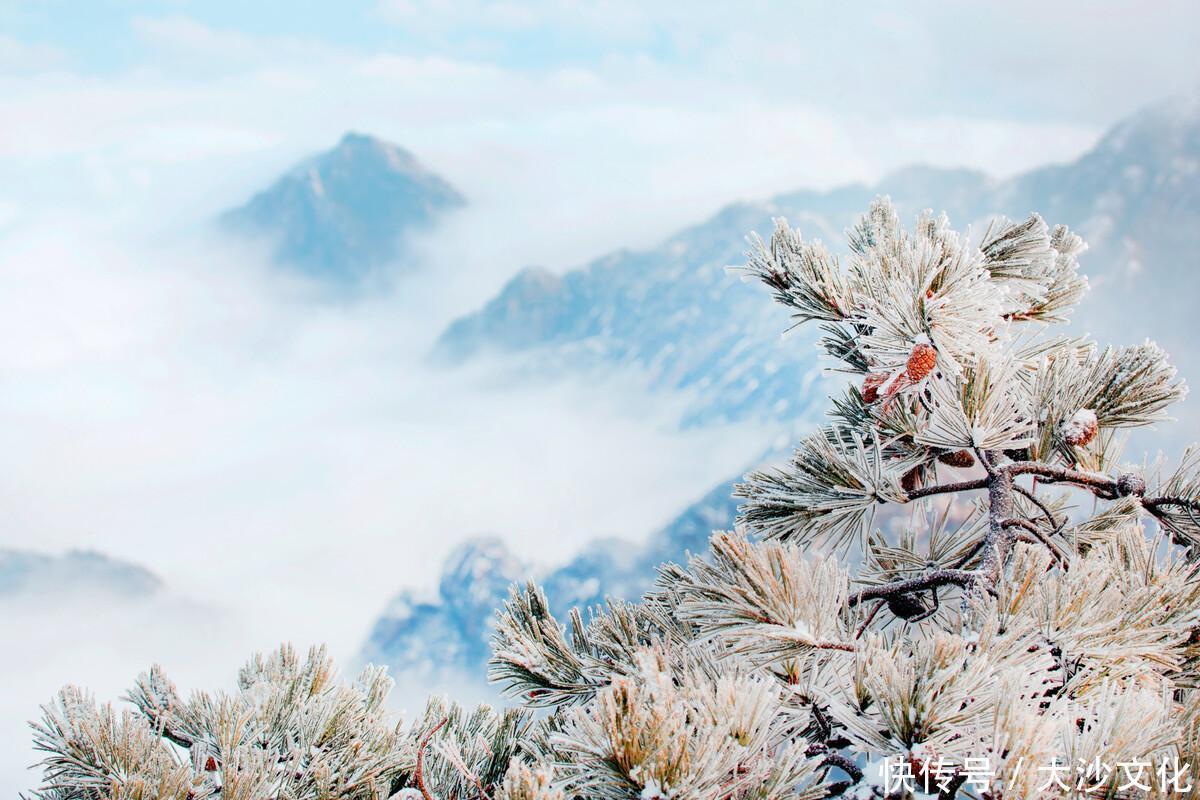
(344,213)
(356,139)
(364,150)
(1169,126)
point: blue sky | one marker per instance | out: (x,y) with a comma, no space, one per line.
(100,36)
(1073,60)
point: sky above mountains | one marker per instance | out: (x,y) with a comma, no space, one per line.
(161,110)
(843,54)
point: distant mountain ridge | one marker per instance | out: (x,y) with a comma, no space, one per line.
(674,313)
(450,632)
(82,572)
(344,213)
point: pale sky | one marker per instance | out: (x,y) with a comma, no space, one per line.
(635,117)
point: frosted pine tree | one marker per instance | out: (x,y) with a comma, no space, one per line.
(957,588)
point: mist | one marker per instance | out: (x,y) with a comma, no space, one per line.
(284,458)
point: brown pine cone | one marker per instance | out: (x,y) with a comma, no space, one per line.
(921,362)
(960,459)
(907,606)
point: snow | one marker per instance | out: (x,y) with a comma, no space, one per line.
(1081,426)
(653,791)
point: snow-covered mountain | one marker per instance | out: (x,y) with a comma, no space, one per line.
(421,639)
(24,574)
(674,311)
(344,213)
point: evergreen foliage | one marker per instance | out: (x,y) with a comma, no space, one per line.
(1031,612)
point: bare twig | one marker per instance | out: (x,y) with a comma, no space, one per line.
(1101,485)
(962,562)
(946,488)
(986,461)
(1038,537)
(420,772)
(1152,504)
(834,759)
(1157,508)
(866,623)
(1055,525)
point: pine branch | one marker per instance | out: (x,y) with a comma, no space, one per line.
(1102,486)
(941,577)
(827,493)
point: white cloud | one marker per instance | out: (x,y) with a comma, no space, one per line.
(1076,61)
(17,57)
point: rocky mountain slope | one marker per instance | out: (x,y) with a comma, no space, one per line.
(343,214)
(675,313)
(449,633)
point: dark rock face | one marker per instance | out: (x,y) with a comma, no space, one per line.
(343,214)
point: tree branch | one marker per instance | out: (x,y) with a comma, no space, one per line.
(939,577)
(1151,504)
(1155,507)
(833,759)
(1100,485)
(946,488)
(998,541)
(1033,498)
(1038,536)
